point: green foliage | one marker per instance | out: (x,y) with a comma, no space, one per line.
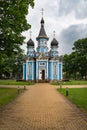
(78,96)
(75,64)
(12,23)
(12,65)
(7,95)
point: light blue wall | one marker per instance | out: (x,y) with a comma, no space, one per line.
(29,70)
(42,67)
(42,45)
(42,49)
(55,76)
(60,73)
(24,65)
(32,75)
(34,70)
(51,75)
(30,51)
(49,66)
(50,70)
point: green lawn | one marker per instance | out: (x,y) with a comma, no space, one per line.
(71,82)
(13,82)
(7,95)
(77,96)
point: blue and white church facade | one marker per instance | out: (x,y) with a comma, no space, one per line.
(42,64)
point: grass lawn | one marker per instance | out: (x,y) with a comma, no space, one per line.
(7,95)
(14,82)
(71,82)
(77,96)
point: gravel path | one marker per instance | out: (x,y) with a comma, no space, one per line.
(41,107)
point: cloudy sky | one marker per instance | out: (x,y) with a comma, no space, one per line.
(67,17)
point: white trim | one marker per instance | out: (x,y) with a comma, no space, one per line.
(40,74)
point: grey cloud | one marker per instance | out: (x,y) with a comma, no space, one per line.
(76,7)
(69,35)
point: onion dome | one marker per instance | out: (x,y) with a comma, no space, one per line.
(30,42)
(54,42)
(42,33)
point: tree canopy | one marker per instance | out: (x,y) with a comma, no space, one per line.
(75,64)
(12,23)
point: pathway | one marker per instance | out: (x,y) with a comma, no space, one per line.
(41,107)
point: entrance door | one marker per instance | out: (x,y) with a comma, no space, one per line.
(43,74)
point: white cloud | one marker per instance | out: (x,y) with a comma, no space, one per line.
(76,7)
(61,16)
(69,35)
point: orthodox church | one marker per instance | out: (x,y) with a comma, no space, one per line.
(44,64)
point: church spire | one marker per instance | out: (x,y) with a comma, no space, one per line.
(42,20)
(42,33)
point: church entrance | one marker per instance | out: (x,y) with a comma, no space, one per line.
(43,74)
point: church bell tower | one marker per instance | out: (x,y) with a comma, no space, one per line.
(42,65)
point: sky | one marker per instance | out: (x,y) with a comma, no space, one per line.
(68,18)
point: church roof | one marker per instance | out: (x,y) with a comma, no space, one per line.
(42,33)
(54,42)
(30,42)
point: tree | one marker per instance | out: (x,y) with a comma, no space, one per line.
(12,23)
(66,66)
(80,47)
(70,65)
(75,64)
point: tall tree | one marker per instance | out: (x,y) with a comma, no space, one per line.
(12,23)
(80,47)
(75,64)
